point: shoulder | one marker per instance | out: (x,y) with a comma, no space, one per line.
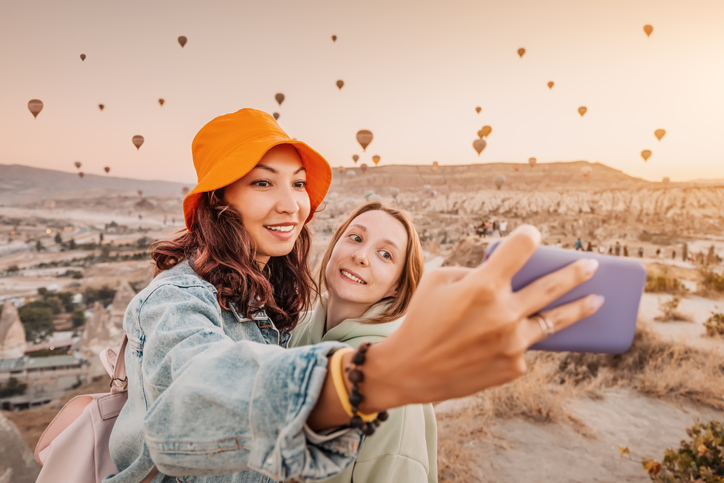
(178,289)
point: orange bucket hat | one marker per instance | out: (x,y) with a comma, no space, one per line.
(229,146)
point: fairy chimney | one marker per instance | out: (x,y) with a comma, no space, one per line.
(12,334)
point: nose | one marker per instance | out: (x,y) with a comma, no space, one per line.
(287,201)
(360,256)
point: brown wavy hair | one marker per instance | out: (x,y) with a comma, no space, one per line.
(411,270)
(222,252)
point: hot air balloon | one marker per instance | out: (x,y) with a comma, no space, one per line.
(646,154)
(480,133)
(394,192)
(516,168)
(77,164)
(376,159)
(586,171)
(101,106)
(666,180)
(364,138)
(427,188)
(582,110)
(479,145)
(478,109)
(499,181)
(185,190)
(182,40)
(82,57)
(107,169)
(334,38)
(648,29)
(137,141)
(276,116)
(355,158)
(659,133)
(532,162)
(81,174)
(521,51)
(280,98)
(435,165)
(350,173)
(340,84)
(161,101)
(550,84)
(140,192)
(340,169)
(35,106)
(363,168)
(486,131)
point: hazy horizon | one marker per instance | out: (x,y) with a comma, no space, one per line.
(413,71)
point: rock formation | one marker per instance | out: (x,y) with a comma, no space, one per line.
(12,334)
(17,464)
(105,328)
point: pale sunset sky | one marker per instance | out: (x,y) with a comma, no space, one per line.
(414,71)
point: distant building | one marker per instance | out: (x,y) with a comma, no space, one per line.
(40,379)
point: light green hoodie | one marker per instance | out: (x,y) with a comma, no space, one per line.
(404,448)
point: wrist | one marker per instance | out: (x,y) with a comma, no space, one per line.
(380,388)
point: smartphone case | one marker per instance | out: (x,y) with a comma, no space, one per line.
(620,280)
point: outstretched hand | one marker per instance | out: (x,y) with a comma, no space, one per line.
(466,330)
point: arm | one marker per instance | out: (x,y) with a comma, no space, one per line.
(230,406)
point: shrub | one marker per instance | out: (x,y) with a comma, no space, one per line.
(701,459)
(104,295)
(13,268)
(662,283)
(711,281)
(669,311)
(78,318)
(12,388)
(38,322)
(715,324)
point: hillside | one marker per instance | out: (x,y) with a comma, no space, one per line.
(24,184)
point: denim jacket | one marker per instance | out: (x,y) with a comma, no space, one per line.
(216,397)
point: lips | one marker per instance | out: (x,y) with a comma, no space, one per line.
(352,276)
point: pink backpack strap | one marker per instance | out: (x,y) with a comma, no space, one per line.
(115,365)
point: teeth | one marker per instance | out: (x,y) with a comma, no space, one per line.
(352,277)
(285,229)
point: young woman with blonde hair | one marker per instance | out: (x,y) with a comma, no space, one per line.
(371,269)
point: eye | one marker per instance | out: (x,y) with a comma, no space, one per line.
(300,184)
(262,183)
(386,255)
(356,238)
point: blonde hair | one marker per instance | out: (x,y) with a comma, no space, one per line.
(411,270)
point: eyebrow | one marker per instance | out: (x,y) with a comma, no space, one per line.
(364,229)
(269,168)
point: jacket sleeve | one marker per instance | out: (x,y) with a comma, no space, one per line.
(230,406)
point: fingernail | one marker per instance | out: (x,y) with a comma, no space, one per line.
(596,301)
(590,266)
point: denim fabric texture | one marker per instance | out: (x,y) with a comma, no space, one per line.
(216,397)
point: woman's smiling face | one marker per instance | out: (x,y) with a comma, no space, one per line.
(367,261)
(272,201)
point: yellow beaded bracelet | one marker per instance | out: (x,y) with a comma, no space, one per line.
(335,365)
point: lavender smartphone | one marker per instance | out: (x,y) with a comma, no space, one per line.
(611,329)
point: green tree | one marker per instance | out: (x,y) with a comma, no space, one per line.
(78,317)
(38,322)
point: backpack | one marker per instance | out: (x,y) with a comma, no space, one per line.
(74,446)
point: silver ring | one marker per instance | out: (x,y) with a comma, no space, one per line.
(545,324)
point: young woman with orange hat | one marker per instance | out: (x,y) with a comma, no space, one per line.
(214,395)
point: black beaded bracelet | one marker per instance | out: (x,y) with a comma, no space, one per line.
(356,376)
